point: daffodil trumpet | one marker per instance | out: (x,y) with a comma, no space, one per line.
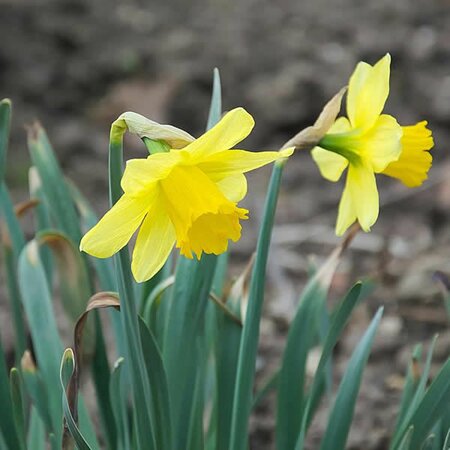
(186,196)
(368,143)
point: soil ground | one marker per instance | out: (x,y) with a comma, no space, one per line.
(77,64)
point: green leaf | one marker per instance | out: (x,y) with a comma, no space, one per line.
(242,399)
(66,371)
(74,281)
(268,386)
(38,307)
(160,392)
(417,397)
(337,325)
(13,242)
(182,340)
(7,425)
(42,218)
(302,335)
(17,405)
(54,186)
(15,300)
(406,441)
(152,303)
(36,432)
(227,353)
(342,413)
(101,377)
(411,382)
(37,390)
(432,407)
(5,126)
(15,234)
(447,441)
(118,398)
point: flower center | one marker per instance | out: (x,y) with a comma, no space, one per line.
(345,144)
(204,219)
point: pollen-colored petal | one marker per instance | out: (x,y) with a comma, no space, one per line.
(331,165)
(382,143)
(211,232)
(154,242)
(234,187)
(346,214)
(359,200)
(141,174)
(367,92)
(204,219)
(364,195)
(415,159)
(234,127)
(116,227)
(230,162)
(341,125)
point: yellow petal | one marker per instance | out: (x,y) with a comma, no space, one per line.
(210,232)
(204,219)
(331,165)
(346,214)
(143,127)
(415,159)
(154,242)
(364,195)
(230,162)
(341,125)
(141,173)
(234,187)
(382,143)
(116,227)
(367,92)
(235,126)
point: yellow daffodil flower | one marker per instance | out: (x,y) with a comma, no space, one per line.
(187,196)
(369,142)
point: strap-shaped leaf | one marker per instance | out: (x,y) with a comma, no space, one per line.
(432,407)
(54,185)
(17,404)
(119,402)
(66,372)
(160,392)
(341,416)
(5,125)
(337,325)
(36,432)
(7,427)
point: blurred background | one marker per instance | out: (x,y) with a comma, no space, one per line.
(75,65)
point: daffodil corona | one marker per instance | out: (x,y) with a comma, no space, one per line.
(186,197)
(369,142)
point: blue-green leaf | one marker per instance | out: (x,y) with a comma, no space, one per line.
(341,416)
(66,371)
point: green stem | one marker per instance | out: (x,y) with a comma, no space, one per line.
(243,397)
(134,355)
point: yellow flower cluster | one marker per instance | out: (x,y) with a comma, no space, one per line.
(188,196)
